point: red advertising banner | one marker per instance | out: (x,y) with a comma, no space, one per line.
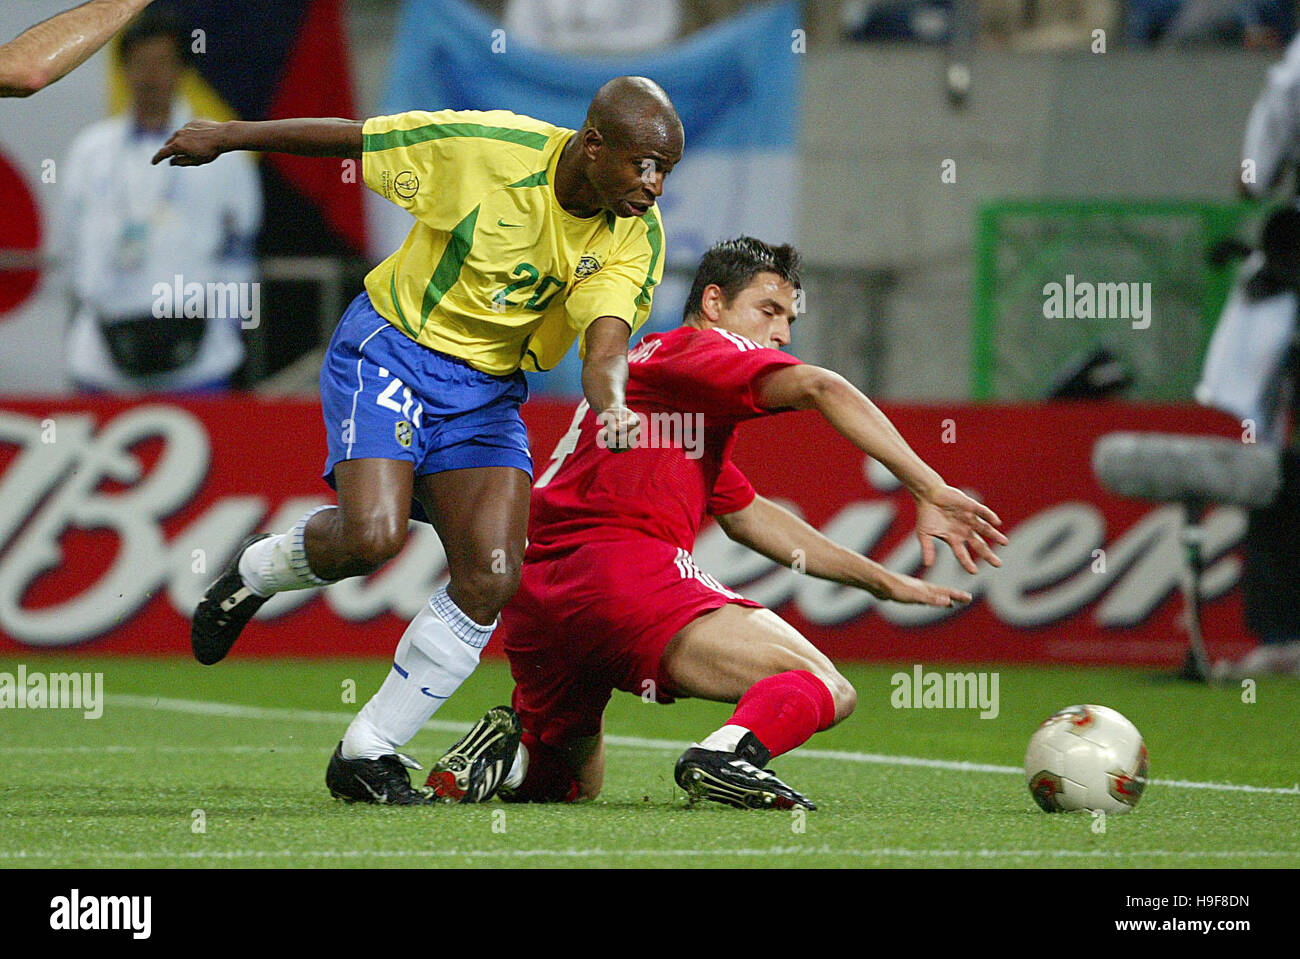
(116,515)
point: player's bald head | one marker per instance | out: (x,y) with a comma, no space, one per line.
(635,112)
(630,142)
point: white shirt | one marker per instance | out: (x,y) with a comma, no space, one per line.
(127,226)
(1244,360)
(1273,130)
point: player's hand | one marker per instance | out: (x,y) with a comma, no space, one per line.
(620,429)
(909,589)
(196,143)
(965,524)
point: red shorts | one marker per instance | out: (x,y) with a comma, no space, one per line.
(595,620)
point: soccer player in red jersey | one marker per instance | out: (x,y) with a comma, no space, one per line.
(611,598)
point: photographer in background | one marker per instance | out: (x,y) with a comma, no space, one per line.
(1252,368)
(130,228)
(1251,372)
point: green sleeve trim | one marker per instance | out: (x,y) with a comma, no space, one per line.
(537,364)
(533,179)
(655,237)
(397,304)
(397,139)
(447,272)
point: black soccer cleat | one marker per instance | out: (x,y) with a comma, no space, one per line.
(474,768)
(224,611)
(730,779)
(383,781)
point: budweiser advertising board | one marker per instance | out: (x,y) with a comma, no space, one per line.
(115,516)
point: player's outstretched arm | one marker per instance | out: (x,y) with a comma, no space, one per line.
(942,511)
(202,141)
(52,49)
(780,535)
(604,382)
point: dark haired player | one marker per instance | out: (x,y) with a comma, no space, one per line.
(611,598)
(54,48)
(527,237)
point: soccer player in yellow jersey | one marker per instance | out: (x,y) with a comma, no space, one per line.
(52,49)
(528,237)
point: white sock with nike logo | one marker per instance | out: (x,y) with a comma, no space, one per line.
(438,652)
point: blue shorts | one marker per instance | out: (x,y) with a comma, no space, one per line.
(384,395)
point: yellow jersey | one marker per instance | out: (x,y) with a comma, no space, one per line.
(494,271)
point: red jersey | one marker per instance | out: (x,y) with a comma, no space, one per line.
(691,389)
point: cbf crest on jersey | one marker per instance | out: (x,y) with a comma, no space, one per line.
(404,434)
(586,266)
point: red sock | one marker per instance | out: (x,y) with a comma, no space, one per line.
(549,778)
(784,710)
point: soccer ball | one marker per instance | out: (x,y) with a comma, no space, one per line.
(1086,757)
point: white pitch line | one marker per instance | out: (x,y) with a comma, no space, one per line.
(792,851)
(236,711)
(846,756)
(200,707)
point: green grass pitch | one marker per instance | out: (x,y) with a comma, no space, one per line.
(224,766)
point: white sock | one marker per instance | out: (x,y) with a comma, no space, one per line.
(725,740)
(518,769)
(437,653)
(279,563)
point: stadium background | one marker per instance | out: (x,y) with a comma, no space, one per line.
(928,222)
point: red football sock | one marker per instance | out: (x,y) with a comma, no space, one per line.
(784,710)
(549,777)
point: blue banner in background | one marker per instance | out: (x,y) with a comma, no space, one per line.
(735,86)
